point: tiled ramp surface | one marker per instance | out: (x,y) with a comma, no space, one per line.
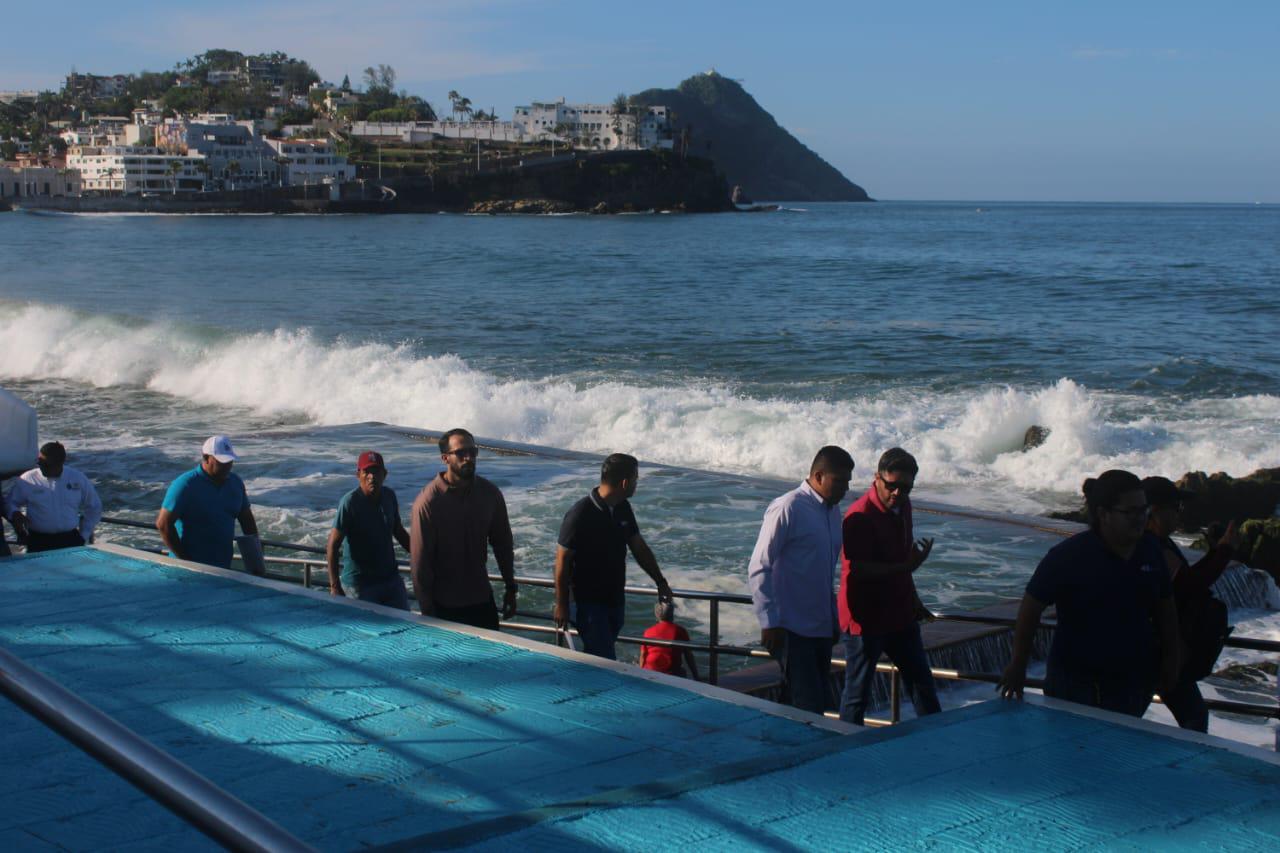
(346,726)
(355,729)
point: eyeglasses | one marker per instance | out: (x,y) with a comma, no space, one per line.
(464,452)
(1131,511)
(903,486)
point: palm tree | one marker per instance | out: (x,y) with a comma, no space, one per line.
(111,174)
(175,166)
(233,169)
(454,97)
(464,106)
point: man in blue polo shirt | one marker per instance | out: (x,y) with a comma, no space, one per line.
(197,520)
(364,533)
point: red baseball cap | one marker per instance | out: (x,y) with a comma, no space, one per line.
(370,459)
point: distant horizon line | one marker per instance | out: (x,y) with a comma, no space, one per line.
(980,201)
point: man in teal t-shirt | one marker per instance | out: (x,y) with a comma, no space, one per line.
(365,532)
(197,520)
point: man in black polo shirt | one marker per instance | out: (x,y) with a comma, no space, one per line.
(591,559)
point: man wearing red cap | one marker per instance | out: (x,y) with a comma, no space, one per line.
(368,521)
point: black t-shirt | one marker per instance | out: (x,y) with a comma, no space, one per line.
(1105,604)
(598,539)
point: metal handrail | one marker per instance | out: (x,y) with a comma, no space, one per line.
(225,819)
(714,649)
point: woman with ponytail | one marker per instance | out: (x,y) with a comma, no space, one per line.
(1116,636)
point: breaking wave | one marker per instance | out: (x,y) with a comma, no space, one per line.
(969,444)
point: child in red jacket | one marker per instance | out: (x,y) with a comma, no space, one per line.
(666,658)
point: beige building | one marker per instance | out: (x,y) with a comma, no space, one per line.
(18,180)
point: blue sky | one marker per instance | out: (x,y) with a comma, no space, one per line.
(1117,101)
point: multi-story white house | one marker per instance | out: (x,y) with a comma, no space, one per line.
(306,162)
(235,154)
(595,125)
(425,131)
(136,169)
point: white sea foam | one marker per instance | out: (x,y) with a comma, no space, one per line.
(969,444)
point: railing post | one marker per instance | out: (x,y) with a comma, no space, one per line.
(713,657)
(306,575)
(895,698)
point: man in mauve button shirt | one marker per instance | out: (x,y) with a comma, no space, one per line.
(792,579)
(456,519)
(879,607)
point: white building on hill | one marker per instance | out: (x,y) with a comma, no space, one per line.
(595,125)
(306,162)
(136,169)
(591,126)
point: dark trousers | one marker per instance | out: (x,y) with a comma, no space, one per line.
(476,615)
(37,542)
(389,592)
(906,649)
(1123,693)
(1187,705)
(806,671)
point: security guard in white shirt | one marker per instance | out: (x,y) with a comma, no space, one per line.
(61,506)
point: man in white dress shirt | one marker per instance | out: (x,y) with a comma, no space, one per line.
(792,578)
(53,505)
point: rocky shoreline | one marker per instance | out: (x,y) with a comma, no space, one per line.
(1219,499)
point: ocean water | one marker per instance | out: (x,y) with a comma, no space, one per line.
(727,346)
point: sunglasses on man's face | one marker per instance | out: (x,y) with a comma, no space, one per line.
(463,452)
(903,486)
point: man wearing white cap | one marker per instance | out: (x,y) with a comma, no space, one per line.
(197,520)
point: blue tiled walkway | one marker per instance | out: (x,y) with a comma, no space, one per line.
(354,729)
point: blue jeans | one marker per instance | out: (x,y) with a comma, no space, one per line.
(806,671)
(598,627)
(389,592)
(906,650)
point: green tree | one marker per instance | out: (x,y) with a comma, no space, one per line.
(174,167)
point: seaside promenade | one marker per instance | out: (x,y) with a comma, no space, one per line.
(355,727)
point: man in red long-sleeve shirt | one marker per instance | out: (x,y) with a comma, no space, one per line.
(1191,591)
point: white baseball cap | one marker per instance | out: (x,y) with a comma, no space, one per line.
(219,447)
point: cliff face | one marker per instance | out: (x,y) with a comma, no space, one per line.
(747,145)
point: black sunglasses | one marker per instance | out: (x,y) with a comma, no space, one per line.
(463,452)
(897,485)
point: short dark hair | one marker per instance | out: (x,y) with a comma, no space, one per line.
(444,439)
(895,460)
(54,452)
(831,459)
(617,467)
(1102,491)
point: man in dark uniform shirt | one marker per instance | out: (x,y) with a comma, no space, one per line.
(591,560)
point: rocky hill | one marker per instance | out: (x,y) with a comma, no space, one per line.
(748,146)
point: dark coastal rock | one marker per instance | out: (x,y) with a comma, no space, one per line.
(1078,515)
(524,205)
(1034,437)
(601,208)
(1218,499)
(1221,498)
(1259,544)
